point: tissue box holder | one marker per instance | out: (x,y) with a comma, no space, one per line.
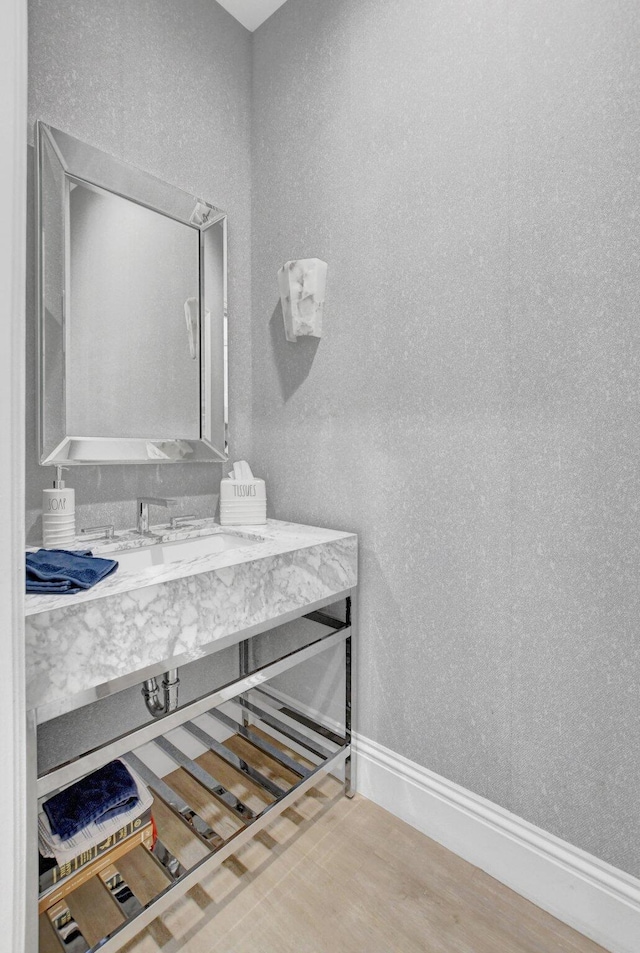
(243,502)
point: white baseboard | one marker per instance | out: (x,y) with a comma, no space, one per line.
(595,898)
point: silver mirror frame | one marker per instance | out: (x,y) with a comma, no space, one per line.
(79,161)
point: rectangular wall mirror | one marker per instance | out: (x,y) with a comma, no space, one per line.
(132,276)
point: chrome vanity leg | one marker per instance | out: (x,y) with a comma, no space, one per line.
(243,664)
(349,781)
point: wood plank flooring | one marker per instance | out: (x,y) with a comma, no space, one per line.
(329,874)
(347,876)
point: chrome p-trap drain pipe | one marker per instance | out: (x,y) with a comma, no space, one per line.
(151,693)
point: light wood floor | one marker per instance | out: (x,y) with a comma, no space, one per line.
(352,878)
(330,875)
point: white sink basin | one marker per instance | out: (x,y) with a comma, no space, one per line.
(176,550)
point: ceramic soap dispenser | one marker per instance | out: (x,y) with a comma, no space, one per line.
(58,514)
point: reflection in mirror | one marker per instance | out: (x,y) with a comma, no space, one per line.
(132,313)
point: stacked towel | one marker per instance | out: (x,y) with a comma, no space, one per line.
(58,570)
(106,793)
(94,833)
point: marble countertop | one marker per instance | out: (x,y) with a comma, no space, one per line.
(133,622)
(279,537)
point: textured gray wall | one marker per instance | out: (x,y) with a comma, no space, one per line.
(165,85)
(470,172)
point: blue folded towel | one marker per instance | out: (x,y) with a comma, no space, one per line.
(105,793)
(57,570)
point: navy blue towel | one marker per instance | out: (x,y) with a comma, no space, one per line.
(57,570)
(105,793)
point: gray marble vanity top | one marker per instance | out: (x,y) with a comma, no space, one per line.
(133,623)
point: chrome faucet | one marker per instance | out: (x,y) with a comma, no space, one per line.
(143,504)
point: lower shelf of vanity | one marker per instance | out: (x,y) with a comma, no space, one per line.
(204,810)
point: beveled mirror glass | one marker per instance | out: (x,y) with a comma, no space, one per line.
(132,313)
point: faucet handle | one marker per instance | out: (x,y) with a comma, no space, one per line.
(176,521)
(105,532)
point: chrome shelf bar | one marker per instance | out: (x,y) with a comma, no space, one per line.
(303,740)
(236,762)
(262,744)
(120,891)
(207,781)
(175,803)
(168,864)
(286,709)
(323,619)
(66,929)
(78,767)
